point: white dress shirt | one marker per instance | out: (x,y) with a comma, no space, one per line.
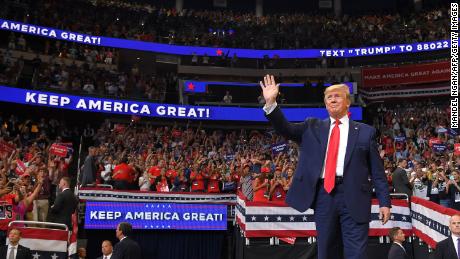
(9,251)
(343,126)
(107,256)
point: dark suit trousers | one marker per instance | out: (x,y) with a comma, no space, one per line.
(335,227)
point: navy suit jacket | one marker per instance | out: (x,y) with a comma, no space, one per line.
(22,253)
(445,249)
(397,252)
(362,162)
(127,249)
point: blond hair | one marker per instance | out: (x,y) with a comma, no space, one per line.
(338,87)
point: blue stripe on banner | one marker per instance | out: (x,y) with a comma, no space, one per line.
(394,217)
(241,53)
(309,218)
(241,209)
(48,255)
(432,224)
(93,104)
(278,218)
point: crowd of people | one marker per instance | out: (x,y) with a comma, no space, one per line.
(32,171)
(175,159)
(86,77)
(62,49)
(226,28)
(419,150)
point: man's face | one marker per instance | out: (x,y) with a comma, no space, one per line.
(106,248)
(404,164)
(14,236)
(118,233)
(336,103)
(454,225)
(62,184)
(400,236)
(82,252)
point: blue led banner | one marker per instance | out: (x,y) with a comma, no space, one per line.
(242,53)
(201,86)
(94,104)
(107,215)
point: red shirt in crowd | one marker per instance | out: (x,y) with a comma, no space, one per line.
(171,174)
(279,194)
(213,183)
(155,171)
(10,215)
(388,145)
(197,182)
(124,172)
(162,185)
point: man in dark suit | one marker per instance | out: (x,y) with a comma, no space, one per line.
(14,250)
(337,158)
(400,180)
(397,250)
(88,170)
(127,248)
(449,248)
(64,205)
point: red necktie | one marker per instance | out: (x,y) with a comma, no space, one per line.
(331,160)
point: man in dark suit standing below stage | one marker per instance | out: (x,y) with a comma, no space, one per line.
(397,250)
(14,250)
(337,158)
(449,248)
(127,248)
(107,250)
(64,205)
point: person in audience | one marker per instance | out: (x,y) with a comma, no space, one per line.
(144,182)
(246,183)
(278,186)
(214,179)
(181,183)
(25,200)
(453,190)
(123,175)
(400,180)
(227,97)
(449,248)
(259,187)
(89,168)
(162,182)
(420,183)
(42,202)
(197,178)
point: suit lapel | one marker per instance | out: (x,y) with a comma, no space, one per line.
(452,246)
(4,251)
(323,136)
(353,131)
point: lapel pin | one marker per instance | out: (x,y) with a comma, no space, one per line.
(356,128)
